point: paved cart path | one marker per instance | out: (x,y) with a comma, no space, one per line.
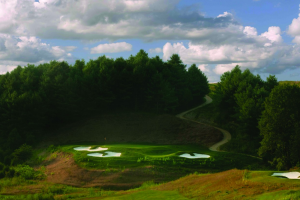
(226,134)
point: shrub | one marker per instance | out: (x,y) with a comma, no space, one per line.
(1,155)
(22,154)
(28,172)
(10,173)
(2,174)
(25,171)
(7,160)
(1,166)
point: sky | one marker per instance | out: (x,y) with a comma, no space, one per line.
(216,35)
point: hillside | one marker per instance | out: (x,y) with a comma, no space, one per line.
(133,127)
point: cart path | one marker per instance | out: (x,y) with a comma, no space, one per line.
(226,134)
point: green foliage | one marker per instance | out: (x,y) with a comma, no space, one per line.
(198,83)
(239,102)
(34,98)
(280,127)
(28,173)
(29,197)
(22,154)
(1,166)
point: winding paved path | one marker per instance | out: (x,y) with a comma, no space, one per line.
(226,134)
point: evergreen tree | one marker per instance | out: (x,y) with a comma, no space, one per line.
(279,126)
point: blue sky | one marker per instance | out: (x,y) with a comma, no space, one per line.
(216,35)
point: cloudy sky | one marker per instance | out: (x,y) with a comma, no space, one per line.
(216,35)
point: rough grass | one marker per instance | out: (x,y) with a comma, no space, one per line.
(290,82)
(231,184)
(138,163)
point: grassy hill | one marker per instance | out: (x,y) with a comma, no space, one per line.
(150,166)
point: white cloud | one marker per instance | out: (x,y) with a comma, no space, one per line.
(6,68)
(250,31)
(69,48)
(221,69)
(273,34)
(263,53)
(156,50)
(111,48)
(203,68)
(294,29)
(225,14)
(106,19)
(22,50)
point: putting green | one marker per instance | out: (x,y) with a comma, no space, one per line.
(166,156)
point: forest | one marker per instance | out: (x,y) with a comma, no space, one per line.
(36,98)
(263,116)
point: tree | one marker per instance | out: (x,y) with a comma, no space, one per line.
(279,126)
(178,79)
(224,98)
(161,95)
(198,83)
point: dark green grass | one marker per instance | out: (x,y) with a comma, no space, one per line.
(165,156)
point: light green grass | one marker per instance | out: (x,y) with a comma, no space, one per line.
(166,156)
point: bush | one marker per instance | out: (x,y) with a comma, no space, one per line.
(1,166)
(28,172)
(10,173)
(22,154)
(2,174)
(1,155)
(7,160)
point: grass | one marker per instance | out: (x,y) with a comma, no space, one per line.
(167,156)
(290,82)
(161,173)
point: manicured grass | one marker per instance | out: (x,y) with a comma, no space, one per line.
(166,156)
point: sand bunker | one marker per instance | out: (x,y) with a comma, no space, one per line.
(89,149)
(196,155)
(289,175)
(109,154)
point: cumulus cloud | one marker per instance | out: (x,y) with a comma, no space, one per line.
(203,68)
(266,52)
(294,29)
(111,48)
(69,48)
(220,41)
(22,50)
(111,20)
(156,50)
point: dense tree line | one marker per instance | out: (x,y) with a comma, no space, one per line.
(263,116)
(35,98)
(280,127)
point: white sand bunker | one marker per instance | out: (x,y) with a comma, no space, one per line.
(109,154)
(89,149)
(196,155)
(289,175)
